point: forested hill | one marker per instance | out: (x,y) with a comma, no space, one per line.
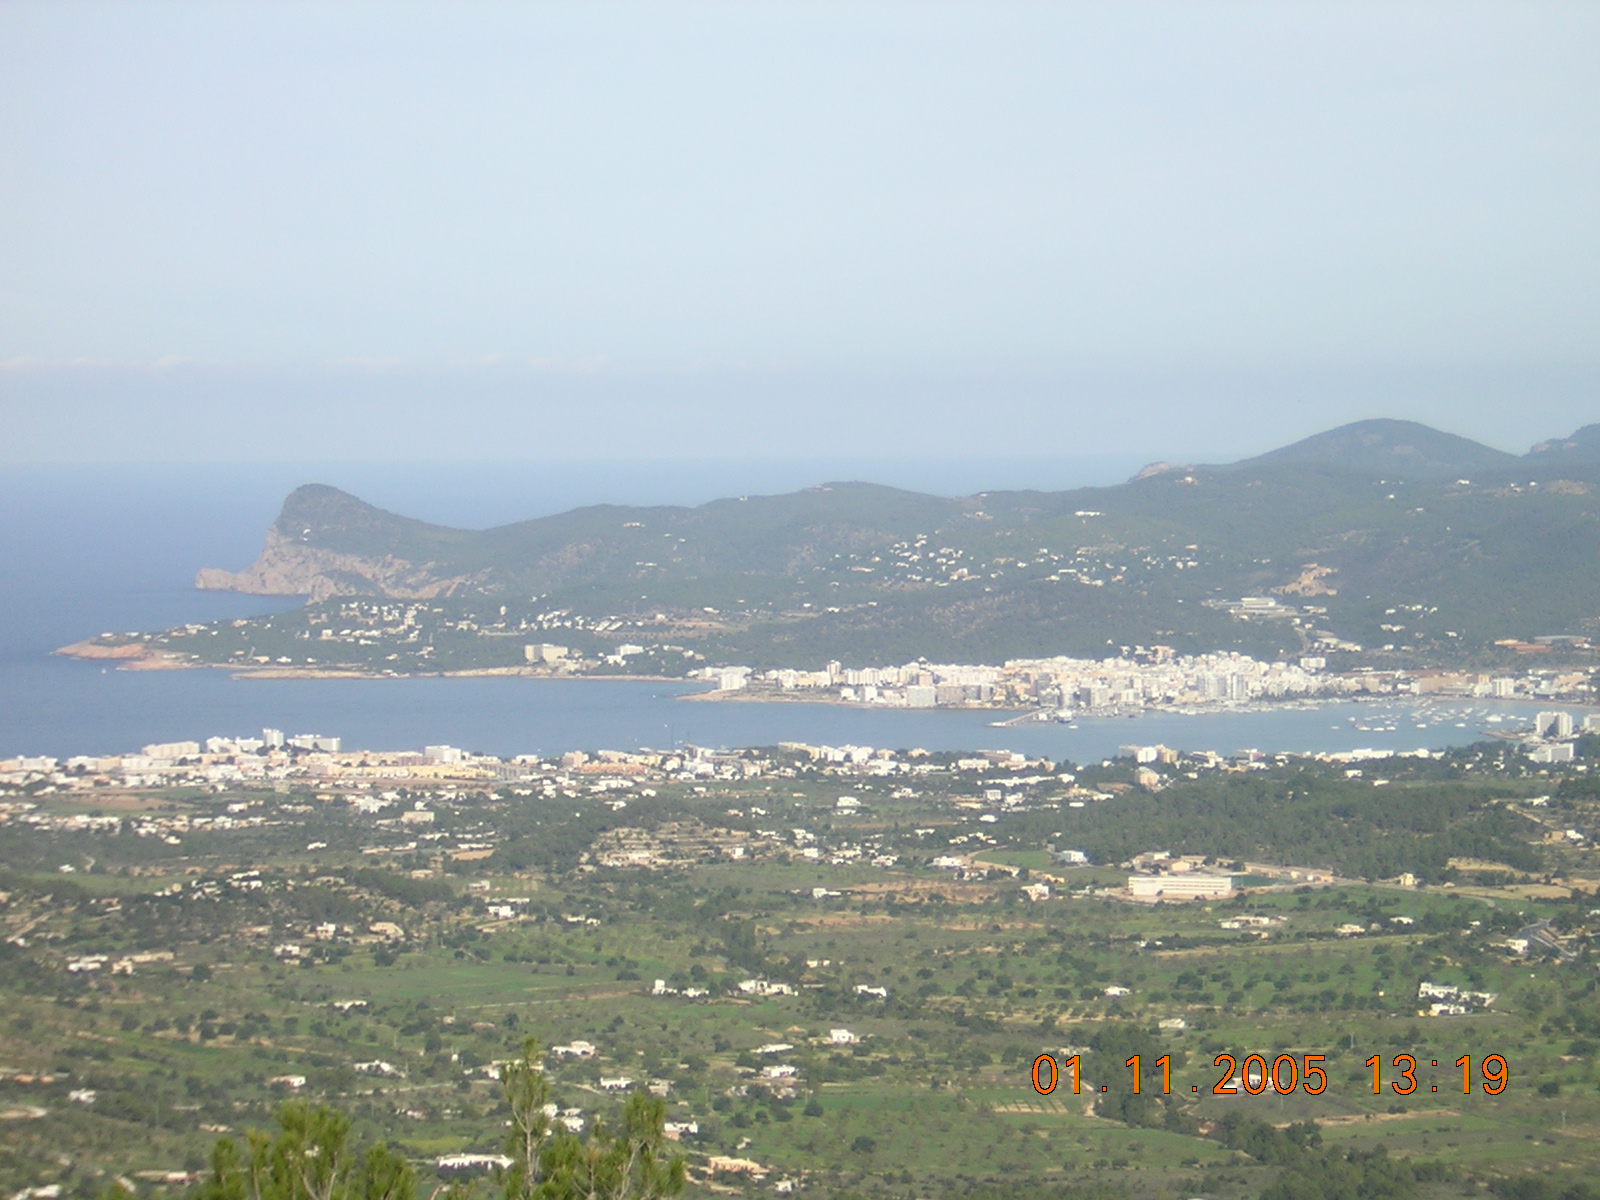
(1381,533)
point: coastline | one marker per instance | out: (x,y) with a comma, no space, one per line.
(54,708)
(135,656)
(467,673)
(138,656)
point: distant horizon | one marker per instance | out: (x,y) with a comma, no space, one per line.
(206,414)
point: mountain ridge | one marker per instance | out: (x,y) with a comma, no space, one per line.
(1389,445)
(1484,544)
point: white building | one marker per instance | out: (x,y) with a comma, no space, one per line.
(576,1049)
(1553,725)
(171,750)
(762,987)
(1188,886)
(1448,993)
(316,741)
(1250,921)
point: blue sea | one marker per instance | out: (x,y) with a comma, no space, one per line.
(91,550)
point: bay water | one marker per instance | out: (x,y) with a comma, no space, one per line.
(91,550)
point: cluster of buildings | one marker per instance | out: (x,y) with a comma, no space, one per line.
(274,758)
(219,760)
(1447,1000)
(1159,875)
(1554,733)
(1154,677)
(126,964)
(1534,684)
(319,761)
(671,844)
(1158,677)
(168,827)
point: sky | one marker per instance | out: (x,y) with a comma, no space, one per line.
(683,232)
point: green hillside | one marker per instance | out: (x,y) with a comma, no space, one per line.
(1408,541)
(1386,447)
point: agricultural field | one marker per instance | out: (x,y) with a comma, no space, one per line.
(834,1001)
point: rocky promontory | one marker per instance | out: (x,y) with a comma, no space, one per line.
(328,543)
(291,568)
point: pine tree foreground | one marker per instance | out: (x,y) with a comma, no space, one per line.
(310,1157)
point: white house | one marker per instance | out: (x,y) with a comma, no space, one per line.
(577,1049)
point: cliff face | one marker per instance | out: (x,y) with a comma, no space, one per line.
(288,567)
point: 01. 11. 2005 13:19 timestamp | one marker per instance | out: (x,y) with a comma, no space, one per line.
(1282,1075)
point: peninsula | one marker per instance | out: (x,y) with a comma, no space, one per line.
(1382,547)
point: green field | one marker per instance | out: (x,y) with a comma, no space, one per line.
(930,1094)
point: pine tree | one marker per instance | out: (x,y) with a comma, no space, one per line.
(308,1158)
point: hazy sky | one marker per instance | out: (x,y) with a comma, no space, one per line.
(279,231)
